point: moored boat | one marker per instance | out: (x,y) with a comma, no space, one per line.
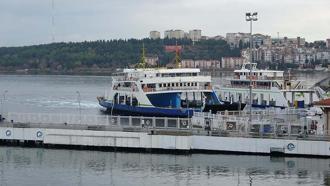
(270,88)
(162,92)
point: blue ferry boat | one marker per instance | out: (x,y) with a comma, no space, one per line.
(162,92)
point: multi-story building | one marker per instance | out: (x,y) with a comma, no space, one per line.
(152,61)
(188,63)
(267,42)
(174,34)
(234,39)
(232,62)
(154,35)
(195,35)
(202,64)
(292,42)
(323,56)
(267,57)
(328,43)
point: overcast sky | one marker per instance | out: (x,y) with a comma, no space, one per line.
(27,22)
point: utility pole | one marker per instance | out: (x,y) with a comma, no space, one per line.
(251,17)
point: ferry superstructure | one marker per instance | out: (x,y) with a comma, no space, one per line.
(269,88)
(163,92)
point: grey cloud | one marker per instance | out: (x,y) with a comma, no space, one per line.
(26,22)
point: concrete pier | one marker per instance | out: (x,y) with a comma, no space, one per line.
(181,138)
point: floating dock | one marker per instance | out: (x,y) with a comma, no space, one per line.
(224,133)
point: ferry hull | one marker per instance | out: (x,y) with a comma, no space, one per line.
(127,110)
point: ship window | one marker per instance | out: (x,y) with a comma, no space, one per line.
(168,84)
(164,84)
(160,85)
(180,84)
(188,84)
(195,83)
(185,84)
(260,74)
(172,84)
(194,74)
(151,85)
(177,84)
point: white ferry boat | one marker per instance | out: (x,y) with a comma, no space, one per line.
(162,92)
(269,88)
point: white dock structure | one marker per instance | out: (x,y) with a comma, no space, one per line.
(288,134)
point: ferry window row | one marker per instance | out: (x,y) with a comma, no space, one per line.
(177,84)
(243,73)
(176,74)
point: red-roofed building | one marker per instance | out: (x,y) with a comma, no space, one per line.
(173,48)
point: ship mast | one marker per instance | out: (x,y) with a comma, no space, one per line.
(177,56)
(142,63)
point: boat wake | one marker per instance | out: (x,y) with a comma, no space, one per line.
(66,103)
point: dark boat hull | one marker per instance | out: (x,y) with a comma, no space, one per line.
(223,107)
(128,110)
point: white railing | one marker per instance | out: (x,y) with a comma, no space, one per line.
(47,120)
(265,124)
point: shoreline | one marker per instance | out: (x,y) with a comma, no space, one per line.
(107,72)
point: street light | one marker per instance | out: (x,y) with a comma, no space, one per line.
(79,99)
(3,102)
(251,17)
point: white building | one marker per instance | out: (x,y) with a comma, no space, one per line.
(174,34)
(234,39)
(195,35)
(202,64)
(152,61)
(154,35)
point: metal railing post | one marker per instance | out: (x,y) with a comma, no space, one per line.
(166,123)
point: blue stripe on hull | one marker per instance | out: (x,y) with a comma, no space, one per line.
(146,111)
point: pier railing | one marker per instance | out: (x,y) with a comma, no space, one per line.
(288,124)
(277,123)
(99,122)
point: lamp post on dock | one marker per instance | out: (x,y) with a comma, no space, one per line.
(3,102)
(251,17)
(79,99)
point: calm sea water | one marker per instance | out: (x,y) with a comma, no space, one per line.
(58,94)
